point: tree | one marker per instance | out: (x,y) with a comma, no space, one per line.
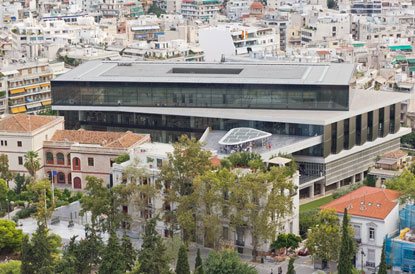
(154,9)
(290,269)
(5,173)
(151,256)
(226,261)
(288,240)
(40,254)
(260,202)
(32,163)
(104,204)
(187,161)
(122,158)
(10,237)
(47,111)
(198,263)
(405,184)
(81,257)
(209,202)
(129,254)
(20,182)
(409,140)
(3,197)
(111,257)
(324,238)
(382,266)
(42,191)
(347,250)
(182,265)
(10,267)
(308,219)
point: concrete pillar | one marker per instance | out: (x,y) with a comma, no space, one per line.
(221,124)
(192,122)
(311,191)
(338,184)
(323,188)
(362,176)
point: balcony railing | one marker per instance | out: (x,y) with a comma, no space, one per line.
(370,264)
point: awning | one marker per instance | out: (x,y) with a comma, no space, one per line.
(47,103)
(18,109)
(31,87)
(412,69)
(358,45)
(405,85)
(380,80)
(44,85)
(18,90)
(281,161)
(400,47)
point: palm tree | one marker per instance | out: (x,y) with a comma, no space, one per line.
(32,163)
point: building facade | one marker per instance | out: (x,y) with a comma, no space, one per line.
(72,155)
(334,133)
(22,133)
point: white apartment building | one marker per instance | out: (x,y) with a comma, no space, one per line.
(325,27)
(27,86)
(374,214)
(200,9)
(236,39)
(148,158)
(22,133)
(236,9)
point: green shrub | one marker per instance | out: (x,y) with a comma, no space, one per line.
(10,267)
(308,219)
(25,212)
(122,158)
(242,159)
(345,190)
(286,240)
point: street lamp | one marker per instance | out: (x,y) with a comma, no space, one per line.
(8,208)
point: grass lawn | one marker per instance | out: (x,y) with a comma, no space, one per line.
(316,203)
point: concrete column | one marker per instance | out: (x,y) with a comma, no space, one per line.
(311,191)
(338,184)
(163,120)
(221,124)
(323,188)
(362,176)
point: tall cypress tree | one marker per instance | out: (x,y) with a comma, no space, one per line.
(346,249)
(152,257)
(290,269)
(382,266)
(111,257)
(199,263)
(128,252)
(182,266)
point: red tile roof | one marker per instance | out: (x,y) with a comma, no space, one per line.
(103,138)
(25,122)
(395,154)
(366,201)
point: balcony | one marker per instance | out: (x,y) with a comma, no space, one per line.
(370,264)
(239,243)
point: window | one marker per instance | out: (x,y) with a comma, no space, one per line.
(5,143)
(159,163)
(371,233)
(357,232)
(90,161)
(60,159)
(20,159)
(76,163)
(371,255)
(19,143)
(49,158)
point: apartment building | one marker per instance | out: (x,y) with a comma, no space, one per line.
(27,85)
(374,215)
(148,158)
(237,39)
(236,9)
(202,10)
(74,154)
(22,133)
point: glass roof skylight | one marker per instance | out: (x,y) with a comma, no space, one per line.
(241,135)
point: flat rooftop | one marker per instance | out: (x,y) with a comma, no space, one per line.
(226,73)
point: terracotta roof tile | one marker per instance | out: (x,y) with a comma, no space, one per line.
(366,201)
(103,138)
(25,122)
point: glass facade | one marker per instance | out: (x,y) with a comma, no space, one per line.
(166,128)
(259,96)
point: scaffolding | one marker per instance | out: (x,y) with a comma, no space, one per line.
(400,253)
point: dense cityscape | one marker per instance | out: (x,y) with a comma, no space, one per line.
(207,137)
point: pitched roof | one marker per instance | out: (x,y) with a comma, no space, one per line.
(25,122)
(102,138)
(366,201)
